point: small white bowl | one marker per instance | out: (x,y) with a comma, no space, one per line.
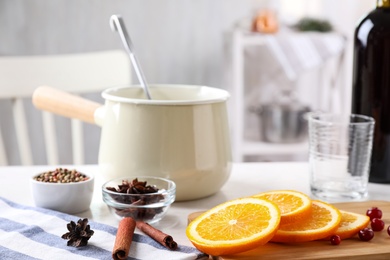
(73,197)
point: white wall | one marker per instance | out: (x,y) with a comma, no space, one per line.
(177,41)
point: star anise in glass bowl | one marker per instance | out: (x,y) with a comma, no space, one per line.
(143,198)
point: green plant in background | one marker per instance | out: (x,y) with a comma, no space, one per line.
(313,24)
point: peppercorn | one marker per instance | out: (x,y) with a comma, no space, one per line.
(61,175)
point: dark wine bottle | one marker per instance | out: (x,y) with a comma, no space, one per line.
(371,83)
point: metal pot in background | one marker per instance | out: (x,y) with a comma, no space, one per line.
(283,122)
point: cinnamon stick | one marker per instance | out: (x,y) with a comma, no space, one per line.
(124,237)
(158,235)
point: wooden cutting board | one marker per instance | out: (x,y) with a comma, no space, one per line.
(377,248)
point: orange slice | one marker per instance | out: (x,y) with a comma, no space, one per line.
(234,226)
(323,222)
(351,223)
(293,205)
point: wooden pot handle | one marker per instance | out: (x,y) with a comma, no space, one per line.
(65,104)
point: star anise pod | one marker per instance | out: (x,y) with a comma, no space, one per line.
(79,233)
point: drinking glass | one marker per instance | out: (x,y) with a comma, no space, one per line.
(339,155)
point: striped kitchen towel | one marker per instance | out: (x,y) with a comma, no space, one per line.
(35,233)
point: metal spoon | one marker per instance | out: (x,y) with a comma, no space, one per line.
(117,24)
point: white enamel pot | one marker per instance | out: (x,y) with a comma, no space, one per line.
(181,134)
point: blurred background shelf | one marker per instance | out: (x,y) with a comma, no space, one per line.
(295,54)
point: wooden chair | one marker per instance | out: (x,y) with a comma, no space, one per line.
(77,73)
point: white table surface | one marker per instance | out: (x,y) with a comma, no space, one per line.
(246,179)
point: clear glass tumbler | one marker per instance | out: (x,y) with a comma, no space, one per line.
(339,155)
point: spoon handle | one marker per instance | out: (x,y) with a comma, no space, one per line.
(118,25)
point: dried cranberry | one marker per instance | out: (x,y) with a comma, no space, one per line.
(377,224)
(374,212)
(335,240)
(366,234)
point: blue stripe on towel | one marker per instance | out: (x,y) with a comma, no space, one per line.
(7,254)
(37,234)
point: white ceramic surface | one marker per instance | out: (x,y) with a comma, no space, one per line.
(182,134)
(65,197)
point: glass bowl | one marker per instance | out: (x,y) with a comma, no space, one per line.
(144,198)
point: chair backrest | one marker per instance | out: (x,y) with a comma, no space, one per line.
(79,73)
